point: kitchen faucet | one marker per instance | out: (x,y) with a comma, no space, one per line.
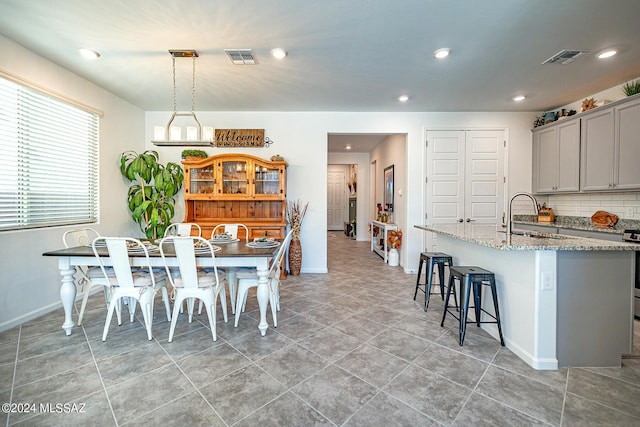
(535,207)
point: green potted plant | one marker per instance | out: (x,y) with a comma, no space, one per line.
(631,88)
(151,197)
(198,154)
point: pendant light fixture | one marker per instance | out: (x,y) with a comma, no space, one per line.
(172,135)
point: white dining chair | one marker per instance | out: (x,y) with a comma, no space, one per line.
(192,283)
(87,276)
(183,229)
(138,285)
(248,279)
(230,272)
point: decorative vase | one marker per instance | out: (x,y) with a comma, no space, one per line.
(295,257)
(394,257)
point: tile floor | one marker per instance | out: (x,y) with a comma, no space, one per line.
(352,348)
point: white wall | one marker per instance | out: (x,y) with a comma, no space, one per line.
(30,283)
(393,151)
(301,138)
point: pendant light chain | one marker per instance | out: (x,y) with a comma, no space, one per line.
(174,84)
(193,86)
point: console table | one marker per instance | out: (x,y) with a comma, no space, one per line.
(384,228)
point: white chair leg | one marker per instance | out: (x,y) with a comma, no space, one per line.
(146,314)
(107,295)
(112,307)
(167,305)
(211,314)
(132,308)
(274,312)
(240,299)
(85,297)
(223,302)
(119,310)
(177,307)
(190,307)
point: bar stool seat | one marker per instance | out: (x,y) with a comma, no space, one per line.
(433,260)
(472,277)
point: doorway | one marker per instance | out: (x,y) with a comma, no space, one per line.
(337,196)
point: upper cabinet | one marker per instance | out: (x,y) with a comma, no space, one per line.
(627,130)
(610,147)
(234,177)
(236,188)
(597,150)
(600,146)
(556,158)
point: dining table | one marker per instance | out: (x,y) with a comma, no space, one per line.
(235,254)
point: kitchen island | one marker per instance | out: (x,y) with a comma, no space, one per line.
(564,301)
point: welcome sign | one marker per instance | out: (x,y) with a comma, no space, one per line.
(239,138)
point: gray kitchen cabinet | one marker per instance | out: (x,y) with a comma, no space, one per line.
(610,146)
(556,158)
(597,152)
(627,131)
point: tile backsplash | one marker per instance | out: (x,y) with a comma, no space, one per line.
(625,205)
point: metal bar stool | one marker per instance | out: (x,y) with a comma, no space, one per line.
(469,277)
(433,259)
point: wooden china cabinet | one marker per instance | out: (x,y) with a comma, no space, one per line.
(236,188)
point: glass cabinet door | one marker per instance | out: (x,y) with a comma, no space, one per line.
(234,177)
(202,180)
(267,180)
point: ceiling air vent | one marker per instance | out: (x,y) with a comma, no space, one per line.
(566,56)
(241,56)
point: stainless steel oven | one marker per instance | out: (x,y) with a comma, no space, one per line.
(634,236)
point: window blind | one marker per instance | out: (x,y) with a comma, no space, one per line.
(48,160)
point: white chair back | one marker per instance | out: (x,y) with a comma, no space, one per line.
(79,237)
(274,270)
(184,248)
(183,229)
(232,230)
(119,258)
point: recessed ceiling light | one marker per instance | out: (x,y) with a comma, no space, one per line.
(442,53)
(519,98)
(607,53)
(278,53)
(403,98)
(89,53)
(347,147)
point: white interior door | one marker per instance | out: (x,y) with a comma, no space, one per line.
(484,177)
(445,176)
(465,178)
(336,199)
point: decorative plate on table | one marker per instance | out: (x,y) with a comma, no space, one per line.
(263,243)
(202,248)
(223,238)
(134,248)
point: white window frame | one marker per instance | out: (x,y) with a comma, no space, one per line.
(48,158)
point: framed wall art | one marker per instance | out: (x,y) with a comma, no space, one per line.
(388,188)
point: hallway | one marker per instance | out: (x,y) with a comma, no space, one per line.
(351,348)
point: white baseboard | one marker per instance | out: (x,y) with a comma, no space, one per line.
(12,323)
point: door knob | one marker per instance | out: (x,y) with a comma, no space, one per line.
(460,220)
(469,219)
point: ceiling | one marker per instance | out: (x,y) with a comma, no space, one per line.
(356,55)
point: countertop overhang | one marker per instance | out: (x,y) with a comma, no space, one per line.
(494,236)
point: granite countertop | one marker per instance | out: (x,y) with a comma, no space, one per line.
(578,223)
(494,236)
